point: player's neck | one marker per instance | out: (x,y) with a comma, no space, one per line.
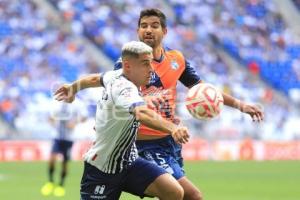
(157,52)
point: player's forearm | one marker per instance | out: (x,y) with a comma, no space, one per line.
(232,102)
(153,120)
(89,81)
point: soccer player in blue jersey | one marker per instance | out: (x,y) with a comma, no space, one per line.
(112,164)
(62,145)
(170,67)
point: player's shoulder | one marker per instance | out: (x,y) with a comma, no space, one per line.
(173,52)
(111,76)
(123,87)
(119,82)
(113,73)
(123,82)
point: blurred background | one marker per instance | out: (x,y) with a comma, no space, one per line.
(247,48)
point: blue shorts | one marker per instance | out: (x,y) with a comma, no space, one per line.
(63,147)
(165,152)
(135,179)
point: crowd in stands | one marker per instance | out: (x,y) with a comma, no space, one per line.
(257,36)
(251,31)
(105,22)
(34,57)
(192,25)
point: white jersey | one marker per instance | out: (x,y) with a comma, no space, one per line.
(62,114)
(116,128)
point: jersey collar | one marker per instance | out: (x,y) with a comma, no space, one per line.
(161,57)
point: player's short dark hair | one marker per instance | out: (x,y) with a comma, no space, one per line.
(154,12)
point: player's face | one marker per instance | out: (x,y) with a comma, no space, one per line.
(142,69)
(150,31)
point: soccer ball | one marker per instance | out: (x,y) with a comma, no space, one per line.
(204,101)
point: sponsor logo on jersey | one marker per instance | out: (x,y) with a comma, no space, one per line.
(98,192)
(99,189)
(174,65)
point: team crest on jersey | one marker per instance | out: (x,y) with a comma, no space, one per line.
(126,92)
(174,65)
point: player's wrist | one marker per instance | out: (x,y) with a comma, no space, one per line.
(240,105)
(173,129)
(75,87)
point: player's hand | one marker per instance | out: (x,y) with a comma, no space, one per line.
(181,135)
(254,111)
(65,93)
(155,101)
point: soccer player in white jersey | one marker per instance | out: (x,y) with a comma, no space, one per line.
(63,121)
(112,164)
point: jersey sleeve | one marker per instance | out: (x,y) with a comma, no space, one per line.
(189,77)
(127,97)
(118,64)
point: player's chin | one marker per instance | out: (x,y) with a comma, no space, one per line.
(149,42)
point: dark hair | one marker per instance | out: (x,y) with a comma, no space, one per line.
(154,12)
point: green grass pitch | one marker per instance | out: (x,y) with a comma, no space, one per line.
(239,180)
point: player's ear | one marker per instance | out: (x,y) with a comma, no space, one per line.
(126,64)
(165,31)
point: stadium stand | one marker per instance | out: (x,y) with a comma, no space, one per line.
(34,55)
(253,34)
(104,22)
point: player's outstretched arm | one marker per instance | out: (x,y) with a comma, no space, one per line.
(254,111)
(67,92)
(153,120)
